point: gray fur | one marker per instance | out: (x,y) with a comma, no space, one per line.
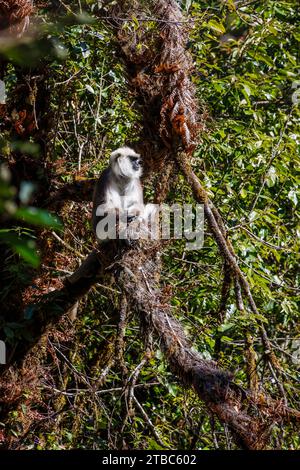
(119,185)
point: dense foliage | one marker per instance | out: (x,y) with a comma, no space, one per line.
(246,71)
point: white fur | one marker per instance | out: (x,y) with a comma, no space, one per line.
(131,200)
(123,192)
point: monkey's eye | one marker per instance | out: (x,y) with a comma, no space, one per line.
(134,159)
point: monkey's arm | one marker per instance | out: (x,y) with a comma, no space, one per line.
(135,202)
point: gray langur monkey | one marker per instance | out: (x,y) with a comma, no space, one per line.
(118,192)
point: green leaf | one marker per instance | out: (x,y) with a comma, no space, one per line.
(215,26)
(271,177)
(136,21)
(8,332)
(292,195)
(247,89)
(26,147)
(262,58)
(25,247)
(226,339)
(243,193)
(172,389)
(225,327)
(35,216)
(90,89)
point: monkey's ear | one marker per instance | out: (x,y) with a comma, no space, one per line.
(114,156)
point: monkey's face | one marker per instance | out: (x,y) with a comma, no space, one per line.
(135,162)
(126,163)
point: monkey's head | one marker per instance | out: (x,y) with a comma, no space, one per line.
(126,163)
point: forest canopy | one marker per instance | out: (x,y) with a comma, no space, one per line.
(150,346)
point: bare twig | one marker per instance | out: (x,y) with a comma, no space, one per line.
(150,424)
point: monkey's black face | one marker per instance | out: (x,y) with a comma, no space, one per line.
(135,162)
